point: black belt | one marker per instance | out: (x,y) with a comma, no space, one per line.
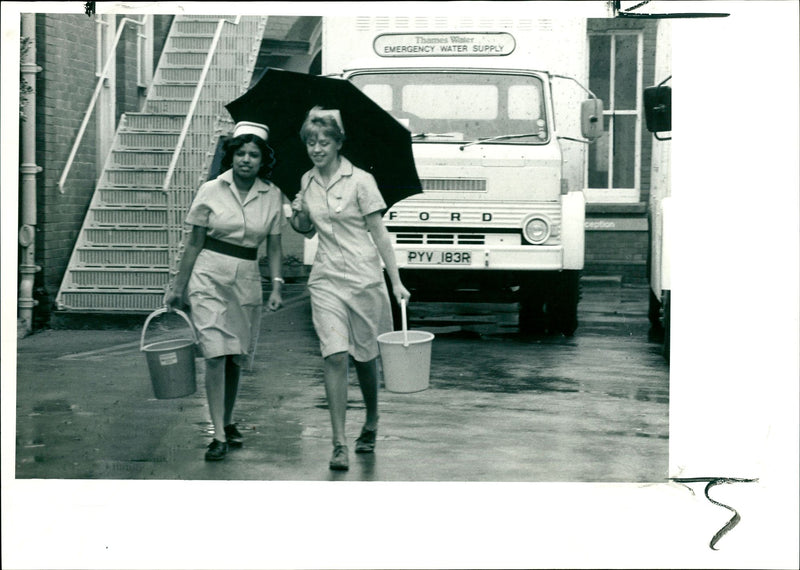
(230,249)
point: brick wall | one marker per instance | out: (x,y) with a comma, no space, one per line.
(621,254)
(65,50)
(66,53)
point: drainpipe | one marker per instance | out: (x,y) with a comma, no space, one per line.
(28,172)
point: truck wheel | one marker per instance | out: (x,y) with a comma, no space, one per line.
(564,307)
(531,308)
(654,311)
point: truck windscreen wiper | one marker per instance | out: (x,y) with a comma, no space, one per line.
(436,135)
(498,138)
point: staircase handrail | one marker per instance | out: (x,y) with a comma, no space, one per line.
(190,114)
(103,76)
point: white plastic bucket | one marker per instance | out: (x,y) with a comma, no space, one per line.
(406,358)
(171,362)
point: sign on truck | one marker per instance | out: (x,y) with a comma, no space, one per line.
(502,214)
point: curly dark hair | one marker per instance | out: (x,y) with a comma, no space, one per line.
(233,144)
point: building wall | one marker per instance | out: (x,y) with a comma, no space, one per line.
(66,52)
(617,236)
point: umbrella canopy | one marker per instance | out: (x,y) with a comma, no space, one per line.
(374,141)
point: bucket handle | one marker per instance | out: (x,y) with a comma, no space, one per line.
(161,311)
(405,325)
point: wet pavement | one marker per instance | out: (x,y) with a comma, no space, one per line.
(500,407)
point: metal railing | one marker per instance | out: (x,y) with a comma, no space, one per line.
(103,76)
(175,213)
(190,113)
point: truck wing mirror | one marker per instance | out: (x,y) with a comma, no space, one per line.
(592,118)
(658,108)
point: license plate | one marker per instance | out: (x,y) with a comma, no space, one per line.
(439,257)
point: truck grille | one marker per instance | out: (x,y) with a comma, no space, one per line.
(439,239)
(453,184)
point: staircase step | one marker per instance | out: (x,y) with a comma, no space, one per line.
(194,27)
(132,197)
(119,279)
(154,140)
(181,106)
(154,122)
(145,140)
(135,177)
(205,17)
(218,92)
(184,73)
(151,257)
(151,180)
(197,58)
(193,42)
(173,91)
(150,158)
(184,58)
(127,217)
(127,236)
(110,302)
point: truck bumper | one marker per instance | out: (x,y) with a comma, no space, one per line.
(526,258)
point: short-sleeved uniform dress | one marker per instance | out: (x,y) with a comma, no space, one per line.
(225,292)
(349,298)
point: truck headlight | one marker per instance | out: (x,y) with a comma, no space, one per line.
(536,230)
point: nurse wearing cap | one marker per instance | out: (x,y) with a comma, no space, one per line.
(229,218)
(349,299)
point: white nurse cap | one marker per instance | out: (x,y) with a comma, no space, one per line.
(334,114)
(250,128)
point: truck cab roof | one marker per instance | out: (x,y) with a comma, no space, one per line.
(407,64)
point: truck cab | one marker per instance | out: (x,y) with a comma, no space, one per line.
(497,219)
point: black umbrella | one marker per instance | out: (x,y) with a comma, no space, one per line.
(375,141)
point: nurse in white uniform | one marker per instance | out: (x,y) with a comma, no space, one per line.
(349,299)
(229,218)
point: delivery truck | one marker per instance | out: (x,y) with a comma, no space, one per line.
(499,119)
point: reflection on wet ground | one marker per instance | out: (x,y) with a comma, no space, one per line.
(500,406)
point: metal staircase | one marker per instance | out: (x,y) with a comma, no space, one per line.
(129,244)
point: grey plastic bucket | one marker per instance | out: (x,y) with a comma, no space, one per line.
(406,358)
(171,362)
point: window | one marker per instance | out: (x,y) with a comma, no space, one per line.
(615,63)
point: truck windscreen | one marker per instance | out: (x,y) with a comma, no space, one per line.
(461,106)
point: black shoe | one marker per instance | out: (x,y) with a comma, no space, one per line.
(217,450)
(233,436)
(340,460)
(366,441)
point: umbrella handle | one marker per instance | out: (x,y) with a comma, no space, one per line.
(405,326)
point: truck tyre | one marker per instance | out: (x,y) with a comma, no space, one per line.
(531,307)
(563,310)
(654,311)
